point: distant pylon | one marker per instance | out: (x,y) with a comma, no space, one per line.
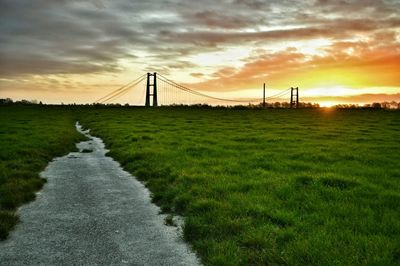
(294,97)
(154,85)
(264,96)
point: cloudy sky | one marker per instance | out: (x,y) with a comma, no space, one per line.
(76,51)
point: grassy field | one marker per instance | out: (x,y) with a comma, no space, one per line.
(256,187)
(274,187)
(30,136)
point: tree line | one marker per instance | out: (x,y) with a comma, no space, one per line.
(275,105)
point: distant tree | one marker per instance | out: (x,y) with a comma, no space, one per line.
(277,105)
(285,105)
(385,105)
(6,101)
(376,106)
(392,105)
(24,102)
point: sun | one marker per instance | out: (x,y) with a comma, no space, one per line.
(327,104)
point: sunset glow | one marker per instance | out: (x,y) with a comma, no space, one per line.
(75,51)
(327,104)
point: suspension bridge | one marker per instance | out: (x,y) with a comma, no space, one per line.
(154,89)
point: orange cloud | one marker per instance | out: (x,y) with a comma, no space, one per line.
(373,63)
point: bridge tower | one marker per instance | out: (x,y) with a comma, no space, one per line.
(294,97)
(154,85)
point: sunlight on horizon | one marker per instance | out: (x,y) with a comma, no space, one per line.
(327,104)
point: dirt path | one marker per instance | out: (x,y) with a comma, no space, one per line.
(91,212)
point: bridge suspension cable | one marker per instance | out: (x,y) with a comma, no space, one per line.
(120,90)
(120,93)
(278,95)
(184,88)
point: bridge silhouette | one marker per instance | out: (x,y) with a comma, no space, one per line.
(155,89)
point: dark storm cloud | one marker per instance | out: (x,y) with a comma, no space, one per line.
(254,4)
(60,36)
(47,37)
(358,6)
(214,20)
(327,29)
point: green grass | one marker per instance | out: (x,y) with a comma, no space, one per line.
(256,187)
(29,138)
(268,187)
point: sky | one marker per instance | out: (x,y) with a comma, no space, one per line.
(335,51)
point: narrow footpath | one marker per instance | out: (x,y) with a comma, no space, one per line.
(92,212)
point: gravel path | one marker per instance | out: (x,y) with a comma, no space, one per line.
(91,212)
